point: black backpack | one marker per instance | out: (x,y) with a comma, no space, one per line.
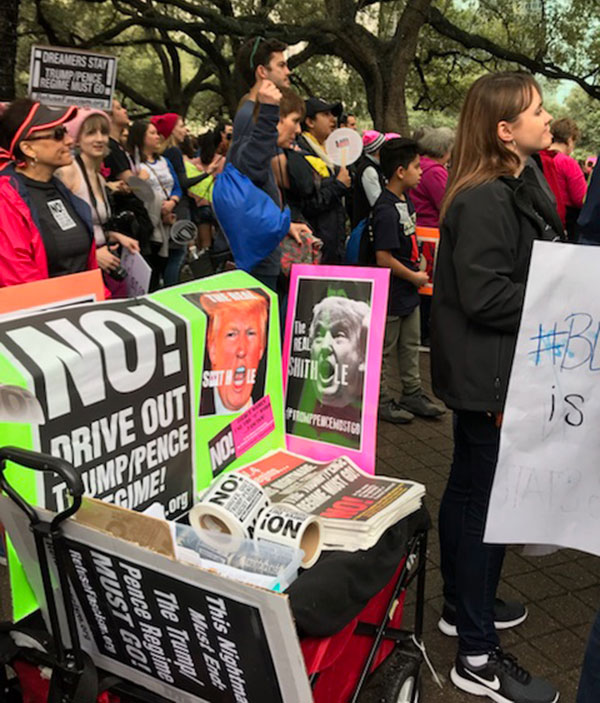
(366,250)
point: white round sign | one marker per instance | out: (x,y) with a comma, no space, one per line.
(344,146)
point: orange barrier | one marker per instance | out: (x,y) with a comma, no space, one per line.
(429,239)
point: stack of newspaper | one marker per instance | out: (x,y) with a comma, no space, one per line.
(355,508)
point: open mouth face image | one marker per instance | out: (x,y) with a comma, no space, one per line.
(236,344)
(337,352)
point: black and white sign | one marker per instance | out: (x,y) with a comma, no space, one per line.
(113,384)
(194,639)
(183,633)
(61,76)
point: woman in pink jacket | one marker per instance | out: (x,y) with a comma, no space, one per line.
(435,145)
(563,173)
(45,230)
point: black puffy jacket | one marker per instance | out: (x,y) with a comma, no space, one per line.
(321,202)
(485,247)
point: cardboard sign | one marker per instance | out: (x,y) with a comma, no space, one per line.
(121,385)
(60,76)
(547,487)
(429,241)
(113,383)
(332,361)
(138,273)
(233,378)
(61,291)
(186,634)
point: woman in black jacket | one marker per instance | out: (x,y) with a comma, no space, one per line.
(491,215)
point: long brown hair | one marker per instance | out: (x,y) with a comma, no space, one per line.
(479,155)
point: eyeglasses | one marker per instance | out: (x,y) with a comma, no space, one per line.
(58,134)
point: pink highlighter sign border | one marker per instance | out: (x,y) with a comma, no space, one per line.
(332,351)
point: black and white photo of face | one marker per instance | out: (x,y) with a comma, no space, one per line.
(337,348)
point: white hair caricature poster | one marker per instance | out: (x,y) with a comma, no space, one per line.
(332,361)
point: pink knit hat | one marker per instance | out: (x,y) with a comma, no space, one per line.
(392,135)
(165,124)
(74,126)
(372,141)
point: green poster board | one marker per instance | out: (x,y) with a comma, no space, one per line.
(149,398)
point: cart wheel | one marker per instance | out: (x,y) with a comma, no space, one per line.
(395,681)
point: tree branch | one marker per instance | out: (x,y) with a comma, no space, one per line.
(44,23)
(150,40)
(144,100)
(475,41)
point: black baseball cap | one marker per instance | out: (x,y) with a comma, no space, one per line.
(315,105)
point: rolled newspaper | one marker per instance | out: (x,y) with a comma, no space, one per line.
(286,525)
(231,506)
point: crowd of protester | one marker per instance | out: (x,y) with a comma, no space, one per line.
(80,186)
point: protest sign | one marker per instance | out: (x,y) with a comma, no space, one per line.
(61,76)
(242,434)
(120,386)
(237,327)
(138,273)
(546,488)
(186,634)
(332,361)
(429,240)
(84,287)
(113,383)
(344,146)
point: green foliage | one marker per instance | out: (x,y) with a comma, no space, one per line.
(584,110)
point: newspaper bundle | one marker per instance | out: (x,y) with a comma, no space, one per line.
(355,508)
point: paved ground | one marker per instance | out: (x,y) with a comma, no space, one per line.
(562,591)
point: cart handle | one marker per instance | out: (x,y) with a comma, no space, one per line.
(41,462)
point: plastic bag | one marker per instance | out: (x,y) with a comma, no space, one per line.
(251,221)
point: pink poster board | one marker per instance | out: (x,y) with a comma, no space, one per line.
(332,352)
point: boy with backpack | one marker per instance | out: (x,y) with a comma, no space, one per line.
(396,248)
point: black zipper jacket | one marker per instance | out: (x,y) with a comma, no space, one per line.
(485,247)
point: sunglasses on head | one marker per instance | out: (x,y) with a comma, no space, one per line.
(58,134)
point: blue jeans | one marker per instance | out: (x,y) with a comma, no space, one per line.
(470,568)
(589,683)
(173,267)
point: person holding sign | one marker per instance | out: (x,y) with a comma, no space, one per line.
(45,230)
(490,217)
(318,187)
(89,130)
(144,145)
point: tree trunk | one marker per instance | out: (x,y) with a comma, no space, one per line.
(396,68)
(9,17)
(384,65)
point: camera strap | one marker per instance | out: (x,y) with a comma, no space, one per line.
(164,190)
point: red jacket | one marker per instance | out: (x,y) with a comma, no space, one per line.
(22,254)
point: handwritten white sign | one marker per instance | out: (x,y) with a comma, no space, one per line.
(138,273)
(547,484)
